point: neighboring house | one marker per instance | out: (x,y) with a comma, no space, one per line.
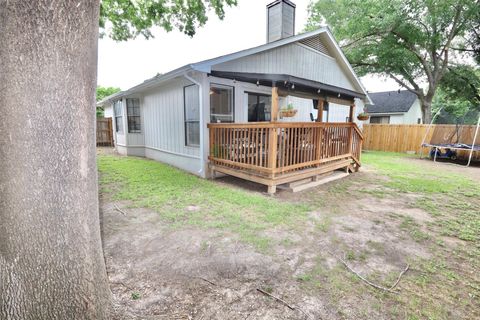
(221,114)
(394,107)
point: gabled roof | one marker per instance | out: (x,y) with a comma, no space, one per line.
(391,101)
(206,65)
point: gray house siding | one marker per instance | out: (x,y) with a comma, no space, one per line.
(163,114)
(293,59)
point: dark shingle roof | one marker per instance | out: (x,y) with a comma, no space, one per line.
(391,101)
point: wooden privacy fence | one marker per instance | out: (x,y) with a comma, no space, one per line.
(409,137)
(104,132)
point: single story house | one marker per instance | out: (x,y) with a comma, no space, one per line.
(394,107)
(258,114)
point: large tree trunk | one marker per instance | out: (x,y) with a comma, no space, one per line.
(426,106)
(51,261)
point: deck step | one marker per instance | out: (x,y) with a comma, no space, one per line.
(294,184)
(314,183)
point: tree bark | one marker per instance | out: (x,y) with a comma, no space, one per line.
(51,261)
(426,111)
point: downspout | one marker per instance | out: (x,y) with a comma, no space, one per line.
(200,107)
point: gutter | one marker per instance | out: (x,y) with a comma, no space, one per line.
(147,84)
(202,133)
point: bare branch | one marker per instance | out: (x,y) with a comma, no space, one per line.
(369,282)
(361,38)
(463,49)
(400,82)
(283,302)
(420,57)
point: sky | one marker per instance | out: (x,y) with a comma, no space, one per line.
(126,64)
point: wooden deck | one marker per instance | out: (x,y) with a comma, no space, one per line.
(273,153)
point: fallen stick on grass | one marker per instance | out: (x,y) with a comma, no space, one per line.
(282,301)
(369,282)
(400,277)
(206,280)
(119,210)
(276,298)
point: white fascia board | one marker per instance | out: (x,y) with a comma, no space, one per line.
(147,84)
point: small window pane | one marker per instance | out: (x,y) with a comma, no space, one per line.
(133,115)
(259,107)
(221,103)
(192,115)
(193,133)
(192,103)
(118,110)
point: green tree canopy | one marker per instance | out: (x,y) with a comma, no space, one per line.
(458,96)
(126,19)
(103,92)
(462,82)
(409,41)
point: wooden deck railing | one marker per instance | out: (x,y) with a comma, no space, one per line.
(270,148)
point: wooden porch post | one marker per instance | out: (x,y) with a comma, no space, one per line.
(274,116)
(350,135)
(352,112)
(320,110)
(273,139)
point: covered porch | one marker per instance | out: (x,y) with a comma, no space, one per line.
(276,152)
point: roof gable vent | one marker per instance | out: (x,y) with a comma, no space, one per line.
(280,20)
(316,44)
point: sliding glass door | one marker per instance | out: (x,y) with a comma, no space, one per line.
(259,107)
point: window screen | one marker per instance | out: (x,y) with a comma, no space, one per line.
(133,116)
(192,115)
(118,110)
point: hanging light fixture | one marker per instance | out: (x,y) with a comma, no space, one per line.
(318,91)
(339,95)
(258,83)
(293,86)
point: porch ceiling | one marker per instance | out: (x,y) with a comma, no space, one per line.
(291,84)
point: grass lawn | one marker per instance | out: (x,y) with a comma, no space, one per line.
(184,199)
(398,210)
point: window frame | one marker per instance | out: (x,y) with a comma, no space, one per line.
(116,116)
(139,116)
(222,86)
(186,121)
(258,95)
(380,118)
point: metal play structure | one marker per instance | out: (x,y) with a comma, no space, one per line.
(448,135)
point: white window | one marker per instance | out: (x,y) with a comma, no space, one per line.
(118,110)
(221,103)
(383,120)
(133,116)
(192,115)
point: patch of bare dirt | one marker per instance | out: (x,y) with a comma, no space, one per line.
(157,272)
